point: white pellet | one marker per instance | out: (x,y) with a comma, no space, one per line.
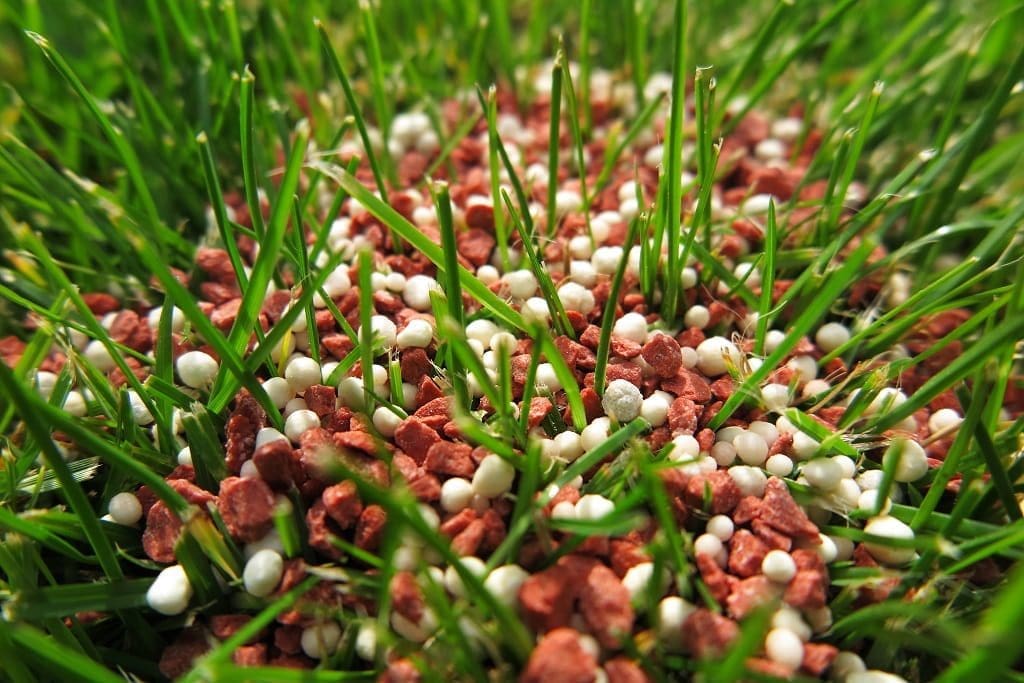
(170,591)
(943,419)
(911,460)
(321,640)
(504,583)
(831,336)
(778,566)
(576,297)
(300,422)
(125,508)
(417,291)
(622,400)
(493,477)
(784,647)
(779,465)
(889,528)
(654,409)
(823,473)
(263,572)
(301,373)
(386,422)
(593,507)
(721,526)
(751,448)
(775,397)
(716,354)
(456,493)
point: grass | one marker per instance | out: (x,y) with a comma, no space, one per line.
(122,124)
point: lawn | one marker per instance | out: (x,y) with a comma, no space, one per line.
(511,340)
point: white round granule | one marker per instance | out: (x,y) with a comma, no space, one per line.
(672,612)
(185,456)
(300,422)
(75,405)
(716,354)
(394,282)
(804,446)
(770,149)
(787,128)
(688,278)
(911,461)
(196,369)
(263,572)
(267,434)
(569,445)
(248,470)
(766,430)
(823,473)
(868,500)
(724,453)
(456,494)
(684,448)
(708,544)
(366,641)
(170,591)
(98,356)
(697,316)
(383,329)
(874,676)
(535,310)
(125,508)
(576,297)
(815,387)
(593,507)
(721,526)
(757,203)
(279,391)
(775,397)
(942,419)
(622,400)
(606,259)
(779,465)
(846,465)
(417,291)
(827,549)
(291,406)
(637,580)
(831,336)
(139,410)
(386,422)
(504,583)
(320,640)
(493,476)
(804,366)
(631,326)
(887,527)
(522,284)
(352,393)
(488,274)
(453,582)
(594,434)
(654,409)
(848,492)
(751,448)
(778,566)
(563,510)
(784,647)
(583,272)
(581,247)
(567,201)
(483,330)
(417,334)
(301,373)
(790,619)
(750,480)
